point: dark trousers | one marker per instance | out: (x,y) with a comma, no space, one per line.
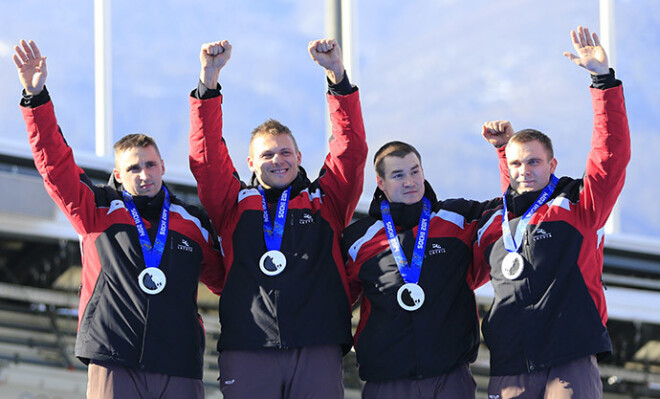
(576,379)
(107,381)
(457,384)
(304,373)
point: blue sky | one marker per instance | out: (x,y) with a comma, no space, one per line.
(430,72)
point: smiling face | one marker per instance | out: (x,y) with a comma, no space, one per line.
(402,179)
(530,165)
(274,159)
(140,170)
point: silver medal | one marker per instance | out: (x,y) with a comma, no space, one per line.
(152,280)
(410,296)
(512,265)
(272,262)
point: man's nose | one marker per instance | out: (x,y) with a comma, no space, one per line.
(524,169)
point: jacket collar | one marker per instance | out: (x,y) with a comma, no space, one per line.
(300,183)
(406,216)
(149,208)
(519,203)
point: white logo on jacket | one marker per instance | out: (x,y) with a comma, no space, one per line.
(184,246)
(437,249)
(541,234)
(306,219)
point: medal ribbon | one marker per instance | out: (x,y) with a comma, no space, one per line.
(274,230)
(410,273)
(512,244)
(152,253)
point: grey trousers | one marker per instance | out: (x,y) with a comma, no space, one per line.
(107,381)
(313,372)
(457,384)
(576,379)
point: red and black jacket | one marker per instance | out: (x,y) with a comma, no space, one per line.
(555,311)
(117,322)
(308,303)
(393,343)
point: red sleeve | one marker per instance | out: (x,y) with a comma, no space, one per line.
(504,169)
(479,270)
(213,271)
(354,283)
(217,181)
(65,181)
(488,232)
(344,165)
(609,155)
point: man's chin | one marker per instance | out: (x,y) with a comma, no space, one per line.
(525,189)
(277,184)
(412,200)
(150,192)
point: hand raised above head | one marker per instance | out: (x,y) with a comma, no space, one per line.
(31,66)
(215,54)
(497,132)
(590,54)
(327,53)
(213,57)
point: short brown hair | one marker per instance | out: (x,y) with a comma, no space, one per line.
(274,127)
(397,149)
(135,140)
(527,135)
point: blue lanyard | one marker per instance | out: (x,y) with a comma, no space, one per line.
(152,254)
(410,273)
(512,244)
(274,229)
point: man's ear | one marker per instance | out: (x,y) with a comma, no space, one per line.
(380,183)
(553,165)
(115,173)
(250,163)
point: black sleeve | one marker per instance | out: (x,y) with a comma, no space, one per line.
(30,101)
(341,88)
(204,93)
(606,81)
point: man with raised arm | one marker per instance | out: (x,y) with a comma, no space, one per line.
(546,326)
(411,259)
(143,253)
(285,310)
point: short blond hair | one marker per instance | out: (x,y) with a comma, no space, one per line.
(135,140)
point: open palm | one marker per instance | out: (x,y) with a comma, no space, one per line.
(31,66)
(590,54)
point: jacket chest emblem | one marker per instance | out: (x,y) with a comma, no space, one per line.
(437,249)
(306,219)
(541,234)
(184,246)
